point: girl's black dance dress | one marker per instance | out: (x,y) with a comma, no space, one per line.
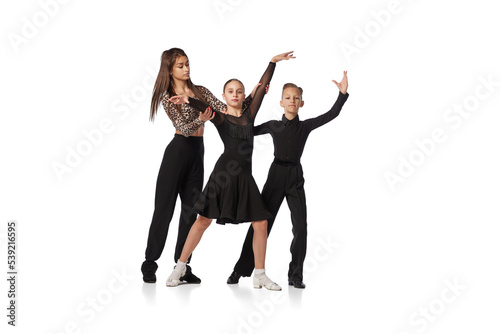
(231,194)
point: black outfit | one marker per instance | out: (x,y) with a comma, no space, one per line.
(231,194)
(285,179)
(181,172)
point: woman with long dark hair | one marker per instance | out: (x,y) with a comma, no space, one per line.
(231,194)
(181,170)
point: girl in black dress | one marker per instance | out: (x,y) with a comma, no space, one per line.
(231,194)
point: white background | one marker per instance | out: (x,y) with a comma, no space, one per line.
(379,258)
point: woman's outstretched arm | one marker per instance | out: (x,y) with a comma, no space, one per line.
(207,112)
(187,128)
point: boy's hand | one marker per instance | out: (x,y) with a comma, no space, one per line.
(179,99)
(343,83)
(283,56)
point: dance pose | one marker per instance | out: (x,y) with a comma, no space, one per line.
(231,194)
(285,178)
(181,170)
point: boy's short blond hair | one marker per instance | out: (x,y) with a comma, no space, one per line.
(291,85)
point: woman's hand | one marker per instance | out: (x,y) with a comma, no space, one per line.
(283,56)
(179,99)
(207,114)
(343,83)
(257,86)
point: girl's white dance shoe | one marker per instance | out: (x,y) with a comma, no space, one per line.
(175,277)
(261,280)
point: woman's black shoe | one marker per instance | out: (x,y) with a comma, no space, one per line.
(189,277)
(148,269)
(149,278)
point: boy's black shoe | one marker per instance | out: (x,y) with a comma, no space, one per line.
(297,284)
(189,277)
(234,278)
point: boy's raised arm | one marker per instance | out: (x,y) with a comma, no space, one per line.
(316,122)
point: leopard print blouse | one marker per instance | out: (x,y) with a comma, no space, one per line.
(187,121)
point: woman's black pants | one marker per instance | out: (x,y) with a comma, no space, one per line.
(181,173)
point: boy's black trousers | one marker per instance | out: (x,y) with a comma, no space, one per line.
(285,180)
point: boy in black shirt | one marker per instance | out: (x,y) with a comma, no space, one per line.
(285,178)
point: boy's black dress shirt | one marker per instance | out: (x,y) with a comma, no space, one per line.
(290,136)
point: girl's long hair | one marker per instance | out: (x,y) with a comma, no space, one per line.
(165,84)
